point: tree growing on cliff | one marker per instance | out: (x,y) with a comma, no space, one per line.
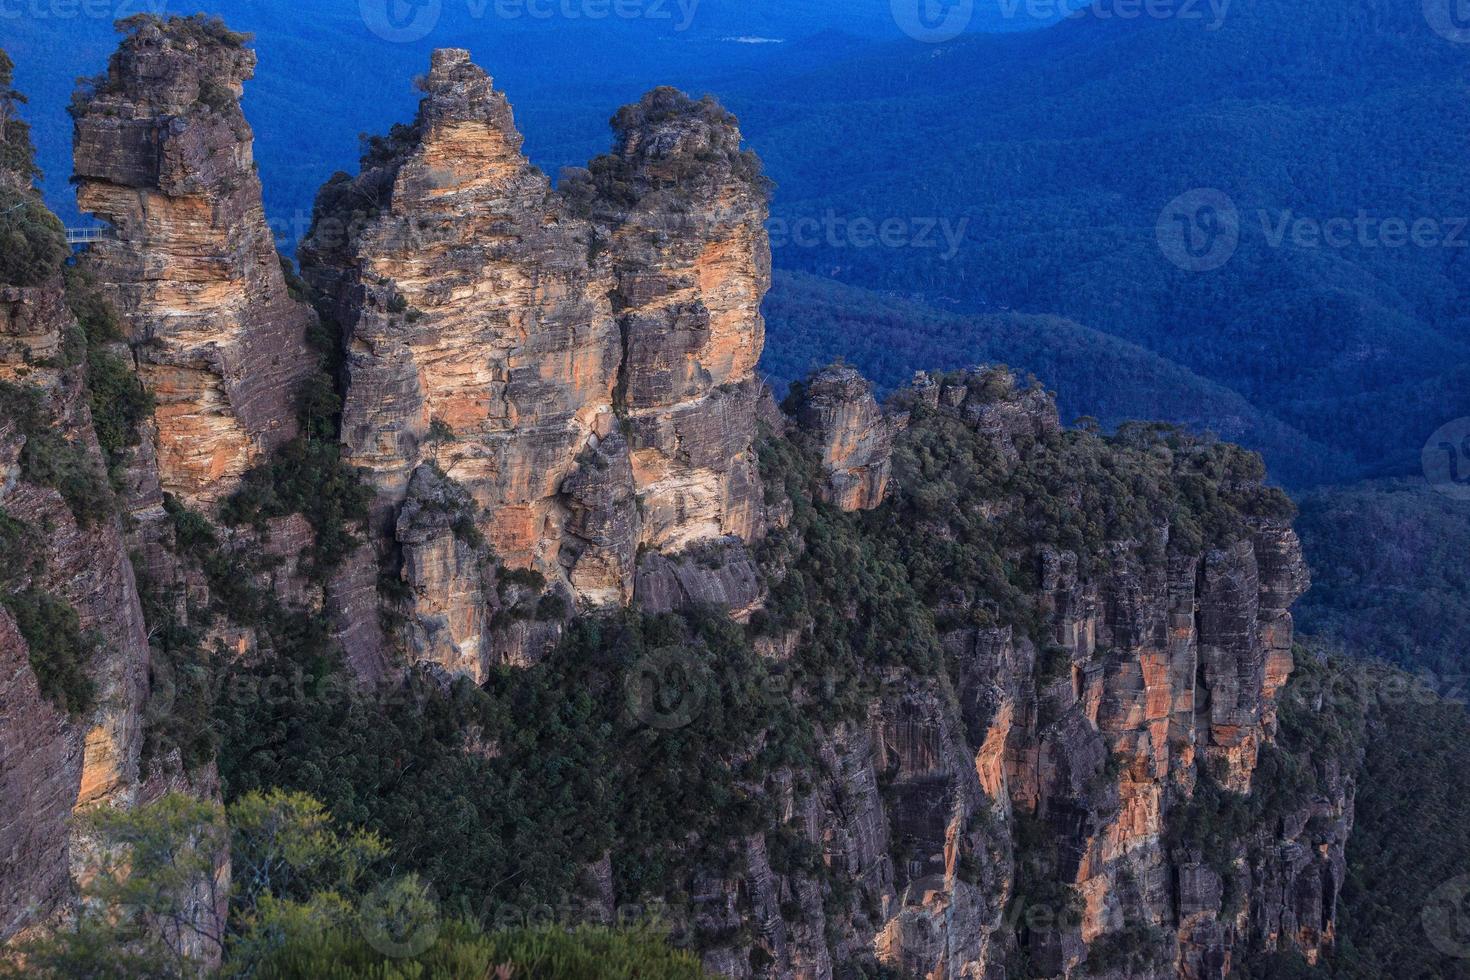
(155,905)
(32,240)
(17,155)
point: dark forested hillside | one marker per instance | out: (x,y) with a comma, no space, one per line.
(811,320)
(1390,578)
(1060,151)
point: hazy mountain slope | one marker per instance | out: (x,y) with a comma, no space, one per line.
(1061,149)
(565,75)
(811,320)
(1390,580)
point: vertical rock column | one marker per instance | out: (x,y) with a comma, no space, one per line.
(164,155)
(687,209)
(480,343)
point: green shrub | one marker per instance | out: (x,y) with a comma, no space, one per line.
(464,952)
(32,239)
(197,29)
(17,154)
(50,460)
(119,401)
(60,651)
(306,476)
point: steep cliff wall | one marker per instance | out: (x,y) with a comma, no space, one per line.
(1075,792)
(163,155)
(75,624)
(581,363)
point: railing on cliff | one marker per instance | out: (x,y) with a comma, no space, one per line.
(86,236)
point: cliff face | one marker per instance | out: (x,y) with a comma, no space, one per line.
(163,154)
(65,551)
(1059,801)
(581,364)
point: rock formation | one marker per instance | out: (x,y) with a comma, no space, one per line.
(552,393)
(836,407)
(163,155)
(68,551)
(581,363)
(472,311)
(683,209)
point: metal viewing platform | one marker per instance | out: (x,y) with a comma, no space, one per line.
(85,236)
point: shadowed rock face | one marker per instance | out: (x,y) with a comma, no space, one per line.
(52,764)
(40,770)
(163,154)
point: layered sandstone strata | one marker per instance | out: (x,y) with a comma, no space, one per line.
(581,362)
(477,332)
(164,156)
(836,408)
(683,208)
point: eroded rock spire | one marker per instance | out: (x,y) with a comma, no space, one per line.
(164,155)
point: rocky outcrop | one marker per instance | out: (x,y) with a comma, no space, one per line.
(163,155)
(74,553)
(581,362)
(836,409)
(683,209)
